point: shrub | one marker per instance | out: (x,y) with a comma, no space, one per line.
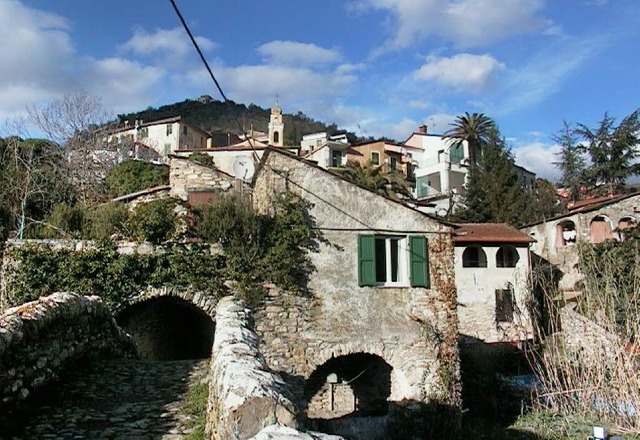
(154,221)
(103,221)
(133,175)
(64,221)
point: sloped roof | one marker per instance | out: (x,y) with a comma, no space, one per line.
(490,233)
(271,150)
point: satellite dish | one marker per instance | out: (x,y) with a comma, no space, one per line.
(243,168)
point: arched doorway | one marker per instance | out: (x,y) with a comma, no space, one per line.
(356,384)
(600,229)
(566,233)
(168,328)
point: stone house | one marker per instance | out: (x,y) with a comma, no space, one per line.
(379,328)
(591,221)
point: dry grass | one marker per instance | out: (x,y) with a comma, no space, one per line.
(588,371)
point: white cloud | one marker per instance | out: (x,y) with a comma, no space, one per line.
(439,122)
(539,157)
(122,83)
(295,53)
(169,42)
(466,23)
(461,72)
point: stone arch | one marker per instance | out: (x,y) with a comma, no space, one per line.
(566,233)
(406,379)
(600,229)
(356,384)
(169,323)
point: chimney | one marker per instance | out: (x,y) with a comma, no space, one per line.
(422,129)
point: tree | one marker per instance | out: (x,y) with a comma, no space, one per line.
(78,124)
(571,161)
(613,150)
(389,184)
(494,192)
(31,182)
(474,128)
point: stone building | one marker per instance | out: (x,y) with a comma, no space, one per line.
(591,221)
(378,330)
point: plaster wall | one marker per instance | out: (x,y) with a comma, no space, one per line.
(340,318)
(477,300)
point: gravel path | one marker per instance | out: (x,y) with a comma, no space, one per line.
(116,399)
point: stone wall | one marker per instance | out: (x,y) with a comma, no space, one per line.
(244,395)
(40,339)
(186,176)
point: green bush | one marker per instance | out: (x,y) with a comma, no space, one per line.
(64,221)
(113,276)
(154,221)
(133,175)
(103,221)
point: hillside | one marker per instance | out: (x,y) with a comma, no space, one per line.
(217,116)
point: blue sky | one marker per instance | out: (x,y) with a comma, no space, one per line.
(377,67)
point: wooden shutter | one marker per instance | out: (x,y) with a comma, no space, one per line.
(366,260)
(419,261)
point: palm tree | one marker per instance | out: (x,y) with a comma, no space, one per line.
(474,128)
(390,184)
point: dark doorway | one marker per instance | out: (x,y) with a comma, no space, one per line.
(168,328)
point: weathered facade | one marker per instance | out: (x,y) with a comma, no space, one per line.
(380,324)
(555,239)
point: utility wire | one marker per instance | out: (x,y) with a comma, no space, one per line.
(255,153)
(213,77)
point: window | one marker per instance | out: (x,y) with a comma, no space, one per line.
(167,149)
(336,158)
(440,156)
(474,256)
(393,163)
(169,129)
(422,186)
(504,305)
(507,256)
(566,233)
(184,130)
(375,158)
(600,229)
(456,153)
(393,261)
(276,137)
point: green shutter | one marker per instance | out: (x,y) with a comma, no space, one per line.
(366,260)
(419,261)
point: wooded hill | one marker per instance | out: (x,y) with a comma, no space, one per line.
(218,116)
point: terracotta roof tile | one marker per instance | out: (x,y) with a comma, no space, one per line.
(490,233)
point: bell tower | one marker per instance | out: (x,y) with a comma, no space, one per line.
(276,126)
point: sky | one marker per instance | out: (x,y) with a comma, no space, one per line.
(375,67)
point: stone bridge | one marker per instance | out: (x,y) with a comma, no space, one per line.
(73,369)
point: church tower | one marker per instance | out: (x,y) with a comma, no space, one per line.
(276,127)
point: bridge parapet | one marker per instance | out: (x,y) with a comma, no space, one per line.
(40,339)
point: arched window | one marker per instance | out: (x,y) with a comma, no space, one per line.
(600,229)
(566,233)
(626,222)
(276,137)
(507,256)
(474,256)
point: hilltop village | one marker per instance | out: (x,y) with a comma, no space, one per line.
(355,288)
